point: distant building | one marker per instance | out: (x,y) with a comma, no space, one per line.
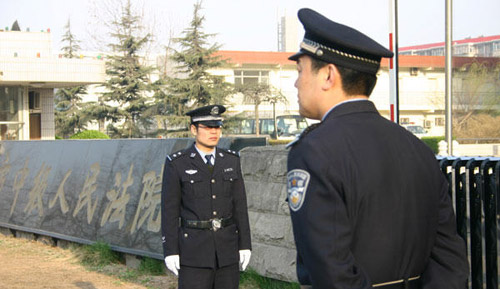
(470,47)
(29,73)
(288,34)
(421,85)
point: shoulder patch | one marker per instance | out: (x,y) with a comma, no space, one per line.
(297,182)
(175,155)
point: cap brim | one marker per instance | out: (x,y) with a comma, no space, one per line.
(296,56)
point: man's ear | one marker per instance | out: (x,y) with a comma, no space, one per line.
(330,75)
(194,130)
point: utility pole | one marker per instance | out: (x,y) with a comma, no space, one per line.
(394,61)
(448,75)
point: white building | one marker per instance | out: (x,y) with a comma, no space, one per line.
(488,46)
(29,73)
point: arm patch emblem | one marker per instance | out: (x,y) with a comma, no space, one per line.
(297,182)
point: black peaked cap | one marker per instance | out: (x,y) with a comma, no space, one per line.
(208,115)
(339,44)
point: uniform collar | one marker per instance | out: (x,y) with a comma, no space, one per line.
(351,107)
(340,103)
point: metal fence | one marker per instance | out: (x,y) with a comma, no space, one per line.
(474,187)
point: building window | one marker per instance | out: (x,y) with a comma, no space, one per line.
(427,124)
(404,120)
(9,113)
(34,100)
(242,77)
(439,121)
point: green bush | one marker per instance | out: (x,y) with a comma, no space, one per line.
(251,277)
(90,134)
(98,254)
(432,142)
(151,266)
(274,142)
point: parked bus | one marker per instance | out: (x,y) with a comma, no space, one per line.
(288,126)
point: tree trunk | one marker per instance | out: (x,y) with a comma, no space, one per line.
(257,127)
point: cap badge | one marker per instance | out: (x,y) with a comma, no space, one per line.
(215,110)
(297,182)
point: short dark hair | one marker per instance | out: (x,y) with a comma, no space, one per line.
(353,82)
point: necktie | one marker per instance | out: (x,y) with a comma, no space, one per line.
(209,162)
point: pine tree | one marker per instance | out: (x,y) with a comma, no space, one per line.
(128,78)
(194,86)
(69,117)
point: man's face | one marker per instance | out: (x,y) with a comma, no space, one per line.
(206,137)
(308,87)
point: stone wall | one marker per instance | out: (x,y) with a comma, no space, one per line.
(264,171)
(109,190)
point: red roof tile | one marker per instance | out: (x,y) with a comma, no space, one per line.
(455,42)
(281,58)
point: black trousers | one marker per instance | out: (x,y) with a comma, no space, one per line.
(209,278)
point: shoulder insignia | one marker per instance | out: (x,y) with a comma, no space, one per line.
(175,155)
(235,153)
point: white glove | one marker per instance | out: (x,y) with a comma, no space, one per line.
(173,264)
(245,258)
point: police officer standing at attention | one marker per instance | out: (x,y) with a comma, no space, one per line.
(205,225)
(368,202)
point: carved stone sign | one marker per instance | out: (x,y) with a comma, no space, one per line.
(87,190)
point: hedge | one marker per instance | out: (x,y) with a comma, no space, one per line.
(432,142)
(90,134)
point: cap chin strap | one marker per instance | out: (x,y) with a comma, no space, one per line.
(316,48)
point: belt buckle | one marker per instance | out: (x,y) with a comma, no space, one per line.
(216,224)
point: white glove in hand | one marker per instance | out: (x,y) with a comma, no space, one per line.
(244,258)
(173,264)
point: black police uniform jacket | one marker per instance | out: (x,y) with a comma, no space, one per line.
(375,206)
(190,191)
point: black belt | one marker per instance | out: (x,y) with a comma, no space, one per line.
(212,224)
(409,283)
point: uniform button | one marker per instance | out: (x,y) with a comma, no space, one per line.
(185,235)
(214,197)
(230,179)
(215,213)
(213,181)
(192,182)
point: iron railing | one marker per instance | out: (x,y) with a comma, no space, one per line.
(474,187)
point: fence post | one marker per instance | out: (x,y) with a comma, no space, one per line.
(473,186)
(490,221)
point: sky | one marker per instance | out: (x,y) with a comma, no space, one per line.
(252,25)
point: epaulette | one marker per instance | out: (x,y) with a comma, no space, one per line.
(174,156)
(303,134)
(231,152)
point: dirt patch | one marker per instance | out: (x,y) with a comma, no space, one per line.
(31,264)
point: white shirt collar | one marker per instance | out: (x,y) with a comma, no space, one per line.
(203,154)
(349,100)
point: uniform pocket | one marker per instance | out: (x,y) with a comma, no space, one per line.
(192,186)
(229,178)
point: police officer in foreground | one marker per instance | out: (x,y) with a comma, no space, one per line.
(205,225)
(368,202)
